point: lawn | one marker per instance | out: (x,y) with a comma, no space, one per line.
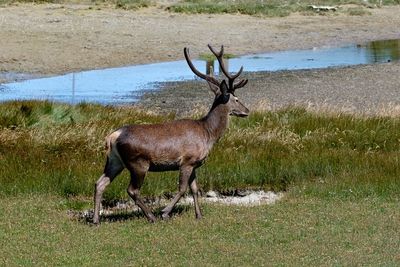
(299,230)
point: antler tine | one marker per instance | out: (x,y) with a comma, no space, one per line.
(218,55)
(240,84)
(237,74)
(195,71)
(230,77)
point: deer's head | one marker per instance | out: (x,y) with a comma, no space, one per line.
(224,92)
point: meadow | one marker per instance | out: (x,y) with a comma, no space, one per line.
(339,173)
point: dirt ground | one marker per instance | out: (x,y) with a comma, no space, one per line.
(51,39)
(362,90)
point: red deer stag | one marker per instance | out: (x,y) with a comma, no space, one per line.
(178,145)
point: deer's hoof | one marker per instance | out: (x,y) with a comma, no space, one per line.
(152,219)
(165,216)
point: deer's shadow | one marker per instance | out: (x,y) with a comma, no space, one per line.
(126,215)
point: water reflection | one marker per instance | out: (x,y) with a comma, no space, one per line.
(210,66)
(126,84)
(387,50)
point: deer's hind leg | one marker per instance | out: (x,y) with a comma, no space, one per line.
(195,193)
(138,171)
(113,167)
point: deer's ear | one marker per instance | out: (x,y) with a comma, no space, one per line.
(213,88)
(223,88)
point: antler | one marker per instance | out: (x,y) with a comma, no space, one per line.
(231,78)
(240,84)
(198,73)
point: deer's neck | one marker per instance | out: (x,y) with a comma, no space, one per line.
(216,121)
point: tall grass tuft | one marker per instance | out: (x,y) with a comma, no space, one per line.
(57,148)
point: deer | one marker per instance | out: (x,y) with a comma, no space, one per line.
(179,145)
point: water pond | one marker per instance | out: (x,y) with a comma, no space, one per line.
(124,85)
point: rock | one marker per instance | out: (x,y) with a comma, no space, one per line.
(211,194)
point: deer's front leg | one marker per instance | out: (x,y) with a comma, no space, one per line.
(185,175)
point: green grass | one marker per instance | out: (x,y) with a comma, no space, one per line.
(300,230)
(340,174)
(133,4)
(59,149)
(253,7)
(269,8)
(357,11)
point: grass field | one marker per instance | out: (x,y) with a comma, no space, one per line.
(340,174)
(300,230)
